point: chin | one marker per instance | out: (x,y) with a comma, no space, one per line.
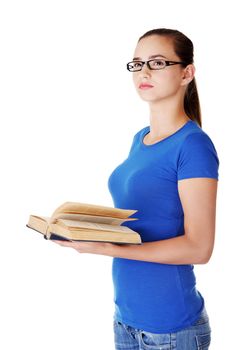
(153,97)
(150,98)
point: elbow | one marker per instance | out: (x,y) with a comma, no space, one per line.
(202,252)
(204,258)
(203,261)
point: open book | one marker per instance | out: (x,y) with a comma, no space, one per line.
(75,221)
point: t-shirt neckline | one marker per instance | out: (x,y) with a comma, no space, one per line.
(147,130)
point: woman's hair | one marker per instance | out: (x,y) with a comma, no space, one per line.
(183,48)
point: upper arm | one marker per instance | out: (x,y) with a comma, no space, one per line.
(198,199)
(198,167)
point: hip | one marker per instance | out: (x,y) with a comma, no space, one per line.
(195,337)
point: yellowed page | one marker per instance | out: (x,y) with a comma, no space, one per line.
(92,209)
(101,236)
(91,218)
(79,225)
(38,223)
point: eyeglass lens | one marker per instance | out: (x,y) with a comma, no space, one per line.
(154,64)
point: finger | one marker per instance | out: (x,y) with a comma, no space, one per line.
(65,244)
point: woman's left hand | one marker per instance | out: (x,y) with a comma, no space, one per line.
(88,247)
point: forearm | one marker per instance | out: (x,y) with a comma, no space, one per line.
(177,250)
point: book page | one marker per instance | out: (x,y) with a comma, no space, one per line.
(92,209)
(79,225)
(91,218)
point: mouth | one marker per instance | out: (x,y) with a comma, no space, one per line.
(145,86)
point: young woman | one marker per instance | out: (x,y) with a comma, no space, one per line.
(170,176)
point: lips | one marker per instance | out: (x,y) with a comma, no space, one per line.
(145,86)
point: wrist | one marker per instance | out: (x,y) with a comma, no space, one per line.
(111,249)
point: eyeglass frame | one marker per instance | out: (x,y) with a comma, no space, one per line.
(167,63)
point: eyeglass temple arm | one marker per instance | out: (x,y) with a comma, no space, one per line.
(170,63)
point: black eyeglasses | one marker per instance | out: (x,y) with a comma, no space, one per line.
(155,64)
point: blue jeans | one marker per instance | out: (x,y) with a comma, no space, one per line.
(195,337)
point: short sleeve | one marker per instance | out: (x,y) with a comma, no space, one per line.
(198,157)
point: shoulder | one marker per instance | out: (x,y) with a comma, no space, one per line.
(197,138)
(198,156)
(141,131)
(139,134)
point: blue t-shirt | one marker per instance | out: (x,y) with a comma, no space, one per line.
(159,298)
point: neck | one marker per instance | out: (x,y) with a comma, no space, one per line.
(166,118)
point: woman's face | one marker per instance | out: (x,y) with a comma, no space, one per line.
(166,82)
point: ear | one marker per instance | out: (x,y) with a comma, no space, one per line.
(188,74)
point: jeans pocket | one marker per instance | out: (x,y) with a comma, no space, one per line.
(155,341)
(203,341)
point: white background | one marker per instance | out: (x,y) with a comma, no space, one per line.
(64,127)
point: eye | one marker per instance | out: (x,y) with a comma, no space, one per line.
(157,63)
(137,64)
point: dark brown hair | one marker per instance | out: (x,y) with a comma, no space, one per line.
(183,48)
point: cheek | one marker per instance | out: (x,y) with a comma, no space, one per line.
(169,82)
(167,77)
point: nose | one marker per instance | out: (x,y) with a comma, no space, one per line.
(145,71)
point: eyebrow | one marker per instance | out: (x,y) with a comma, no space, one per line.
(152,56)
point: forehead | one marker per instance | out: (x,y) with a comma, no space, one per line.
(154,45)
